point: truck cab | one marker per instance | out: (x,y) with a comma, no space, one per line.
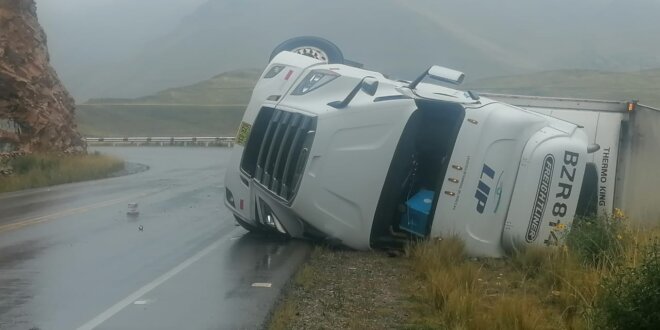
(334,152)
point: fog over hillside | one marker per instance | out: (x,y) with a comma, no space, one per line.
(125,48)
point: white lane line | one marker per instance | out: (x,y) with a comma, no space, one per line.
(110,312)
(262,285)
(143,302)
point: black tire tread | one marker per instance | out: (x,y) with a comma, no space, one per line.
(335,55)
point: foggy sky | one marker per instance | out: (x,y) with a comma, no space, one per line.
(86,34)
(128,48)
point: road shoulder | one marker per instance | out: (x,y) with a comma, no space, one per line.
(341,289)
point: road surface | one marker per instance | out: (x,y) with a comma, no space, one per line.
(71,258)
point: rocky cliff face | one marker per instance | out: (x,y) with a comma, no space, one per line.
(36,111)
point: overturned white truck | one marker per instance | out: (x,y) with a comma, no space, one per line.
(328,150)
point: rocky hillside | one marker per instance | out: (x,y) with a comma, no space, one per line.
(36,111)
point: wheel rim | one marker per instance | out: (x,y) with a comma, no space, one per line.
(312,52)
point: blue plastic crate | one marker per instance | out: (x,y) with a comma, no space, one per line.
(416,217)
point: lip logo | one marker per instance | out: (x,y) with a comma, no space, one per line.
(541,199)
(483,189)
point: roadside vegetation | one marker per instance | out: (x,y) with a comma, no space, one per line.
(40,170)
(606,275)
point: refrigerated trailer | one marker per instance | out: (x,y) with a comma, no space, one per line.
(328,150)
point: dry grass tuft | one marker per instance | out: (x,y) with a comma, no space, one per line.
(536,288)
(511,312)
(283,316)
(592,283)
(436,254)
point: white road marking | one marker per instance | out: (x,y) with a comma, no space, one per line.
(262,285)
(110,312)
(143,302)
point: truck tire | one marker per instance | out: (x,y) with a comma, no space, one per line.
(315,47)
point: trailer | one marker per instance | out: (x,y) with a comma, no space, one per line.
(330,151)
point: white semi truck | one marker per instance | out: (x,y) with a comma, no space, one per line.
(328,150)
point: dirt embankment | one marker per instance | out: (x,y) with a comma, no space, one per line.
(36,110)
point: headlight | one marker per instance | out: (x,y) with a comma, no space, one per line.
(314,80)
(269,218)
(230,197)
(274,71)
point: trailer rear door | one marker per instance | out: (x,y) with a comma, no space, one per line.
(640,182)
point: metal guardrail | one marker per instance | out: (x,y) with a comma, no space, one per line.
(224,141)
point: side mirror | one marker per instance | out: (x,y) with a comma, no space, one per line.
(440,73)
(368,84)
(447,75)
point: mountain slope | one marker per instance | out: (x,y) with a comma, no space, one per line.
(213,107)
(481,37)
(229,88)
(643,85)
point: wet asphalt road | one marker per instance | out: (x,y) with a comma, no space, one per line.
(70,257)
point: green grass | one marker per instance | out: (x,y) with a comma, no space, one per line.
(632,295)
(158,120)
(643,86)
(40,170)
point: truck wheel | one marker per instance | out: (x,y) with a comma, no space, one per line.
(318,48)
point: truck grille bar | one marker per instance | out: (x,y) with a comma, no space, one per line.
(283,147)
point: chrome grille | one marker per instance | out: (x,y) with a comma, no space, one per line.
(283,150)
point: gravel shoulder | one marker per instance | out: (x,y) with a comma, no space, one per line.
(342,289)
